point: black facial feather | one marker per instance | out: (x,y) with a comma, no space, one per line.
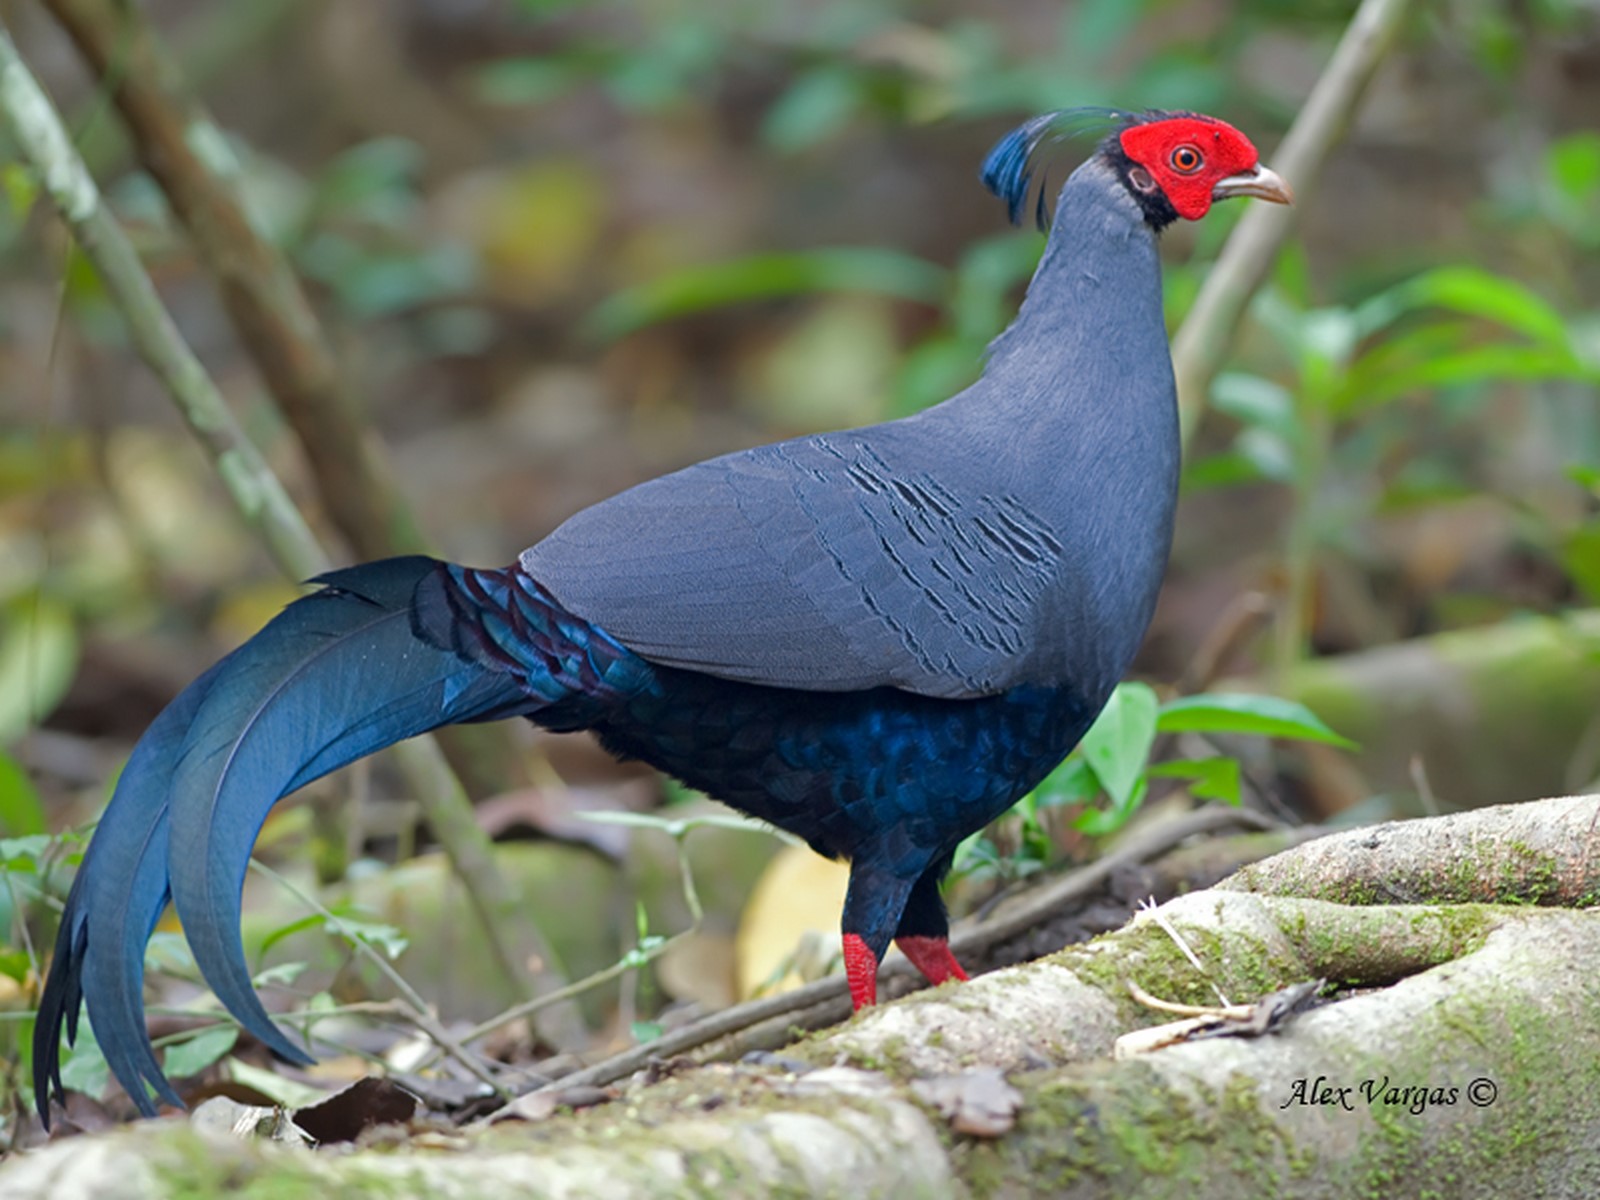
(1158,210)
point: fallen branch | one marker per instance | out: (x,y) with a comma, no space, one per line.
(1457,1081)
(1547,853)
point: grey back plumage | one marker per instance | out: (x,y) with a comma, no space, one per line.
(1014,534)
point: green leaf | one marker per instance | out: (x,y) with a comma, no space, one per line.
(682,53)
(85,1069)
(372,285)
(1574,165)
(15,964)
(310,921)
(372,180)
(1584,476)
(282,1091)
(280,973)
(1270,456)
(1329,334)
(933,371)
(1477,293)
(819,104)
(1098,822)
(21,188)
(1256,402)
(976,854)
(21,812)
(386,939)
(1476,365)
(1280,317)
(645,1031)
(640,955)
(1246,712)
(195,1054)
(38,657)
(1117,745)
(766,277)
(1581,557)
(1219,470)
(1209,778)
(980,303)
(24,853)
(348,923)
(1073,782)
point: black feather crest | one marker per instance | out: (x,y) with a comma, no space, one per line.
(1010,168)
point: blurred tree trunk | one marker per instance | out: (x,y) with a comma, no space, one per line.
(1504,712)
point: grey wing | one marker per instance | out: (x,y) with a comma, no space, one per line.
(830,563)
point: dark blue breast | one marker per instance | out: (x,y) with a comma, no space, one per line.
(903,775)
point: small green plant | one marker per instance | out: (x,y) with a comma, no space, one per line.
(1326,425)
(1109,772)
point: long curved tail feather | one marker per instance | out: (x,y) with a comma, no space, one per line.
(115,901)
(383,652)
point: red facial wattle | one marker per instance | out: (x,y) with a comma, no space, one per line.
(1188,157)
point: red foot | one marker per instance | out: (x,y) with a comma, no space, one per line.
(931,956)
(861,969)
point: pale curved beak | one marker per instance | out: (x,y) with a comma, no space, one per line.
(1261,182)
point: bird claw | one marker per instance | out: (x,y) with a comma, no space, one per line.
(931,956)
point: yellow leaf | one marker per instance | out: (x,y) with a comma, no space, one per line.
(536,227)
(793,911)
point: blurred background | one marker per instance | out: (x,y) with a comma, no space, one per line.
(561,246)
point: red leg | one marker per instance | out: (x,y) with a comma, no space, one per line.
(861,969)
(931,956)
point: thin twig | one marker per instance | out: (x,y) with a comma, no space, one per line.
(1149,909)
(1201,343)
(1235,1011)
(1419,779)
(1241,620)
(1030,909)
(413,1007)
(210,42)
(629,962)
(501,910)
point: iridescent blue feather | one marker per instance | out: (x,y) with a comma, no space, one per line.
(1010,168)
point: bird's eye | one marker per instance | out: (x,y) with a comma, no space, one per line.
(1186,159)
